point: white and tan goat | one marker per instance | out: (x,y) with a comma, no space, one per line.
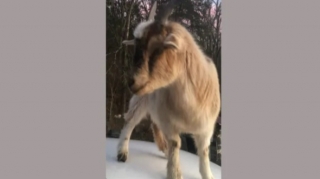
(175,83)
(137,112)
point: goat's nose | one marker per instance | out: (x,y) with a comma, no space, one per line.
(130,82)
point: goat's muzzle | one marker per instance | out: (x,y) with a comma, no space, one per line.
(133,86)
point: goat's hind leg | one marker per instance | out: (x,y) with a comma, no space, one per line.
(202,142)
(159,139)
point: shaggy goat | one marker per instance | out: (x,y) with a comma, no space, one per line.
(175,83)
(136,112)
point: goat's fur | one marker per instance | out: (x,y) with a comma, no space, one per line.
(176,84)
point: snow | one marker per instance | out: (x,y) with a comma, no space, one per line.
(145,161)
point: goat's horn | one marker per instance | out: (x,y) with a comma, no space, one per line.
(153,11)
(128,42)
(165,12)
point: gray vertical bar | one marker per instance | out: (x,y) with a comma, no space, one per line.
(270,54)
(52,89)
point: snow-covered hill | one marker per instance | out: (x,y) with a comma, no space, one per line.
(145,161)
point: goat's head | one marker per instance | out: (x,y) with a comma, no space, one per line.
(151,38)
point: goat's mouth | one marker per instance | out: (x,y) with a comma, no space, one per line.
(140,90)
(136,88)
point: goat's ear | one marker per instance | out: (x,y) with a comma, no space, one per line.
(172,41)
(128,42)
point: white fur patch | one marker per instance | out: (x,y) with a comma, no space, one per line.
(138,32)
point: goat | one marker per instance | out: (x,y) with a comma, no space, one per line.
(137,111)
(174,82)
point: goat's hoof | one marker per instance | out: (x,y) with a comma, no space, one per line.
(122,157)
(178,177)
(210,177)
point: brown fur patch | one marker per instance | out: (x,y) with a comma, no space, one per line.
(159,138)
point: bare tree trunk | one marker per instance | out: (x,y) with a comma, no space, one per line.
(124,107)
(111,105)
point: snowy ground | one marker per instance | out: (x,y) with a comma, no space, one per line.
(145,161)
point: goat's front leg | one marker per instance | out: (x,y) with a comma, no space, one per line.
(203,147)
(136,112)
(123,145)
(173,166)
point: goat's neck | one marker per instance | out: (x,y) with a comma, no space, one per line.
(197,81)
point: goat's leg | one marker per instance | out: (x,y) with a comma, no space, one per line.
(137,111)
(123,145)
(203,143)
(159,139)
(173,165)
